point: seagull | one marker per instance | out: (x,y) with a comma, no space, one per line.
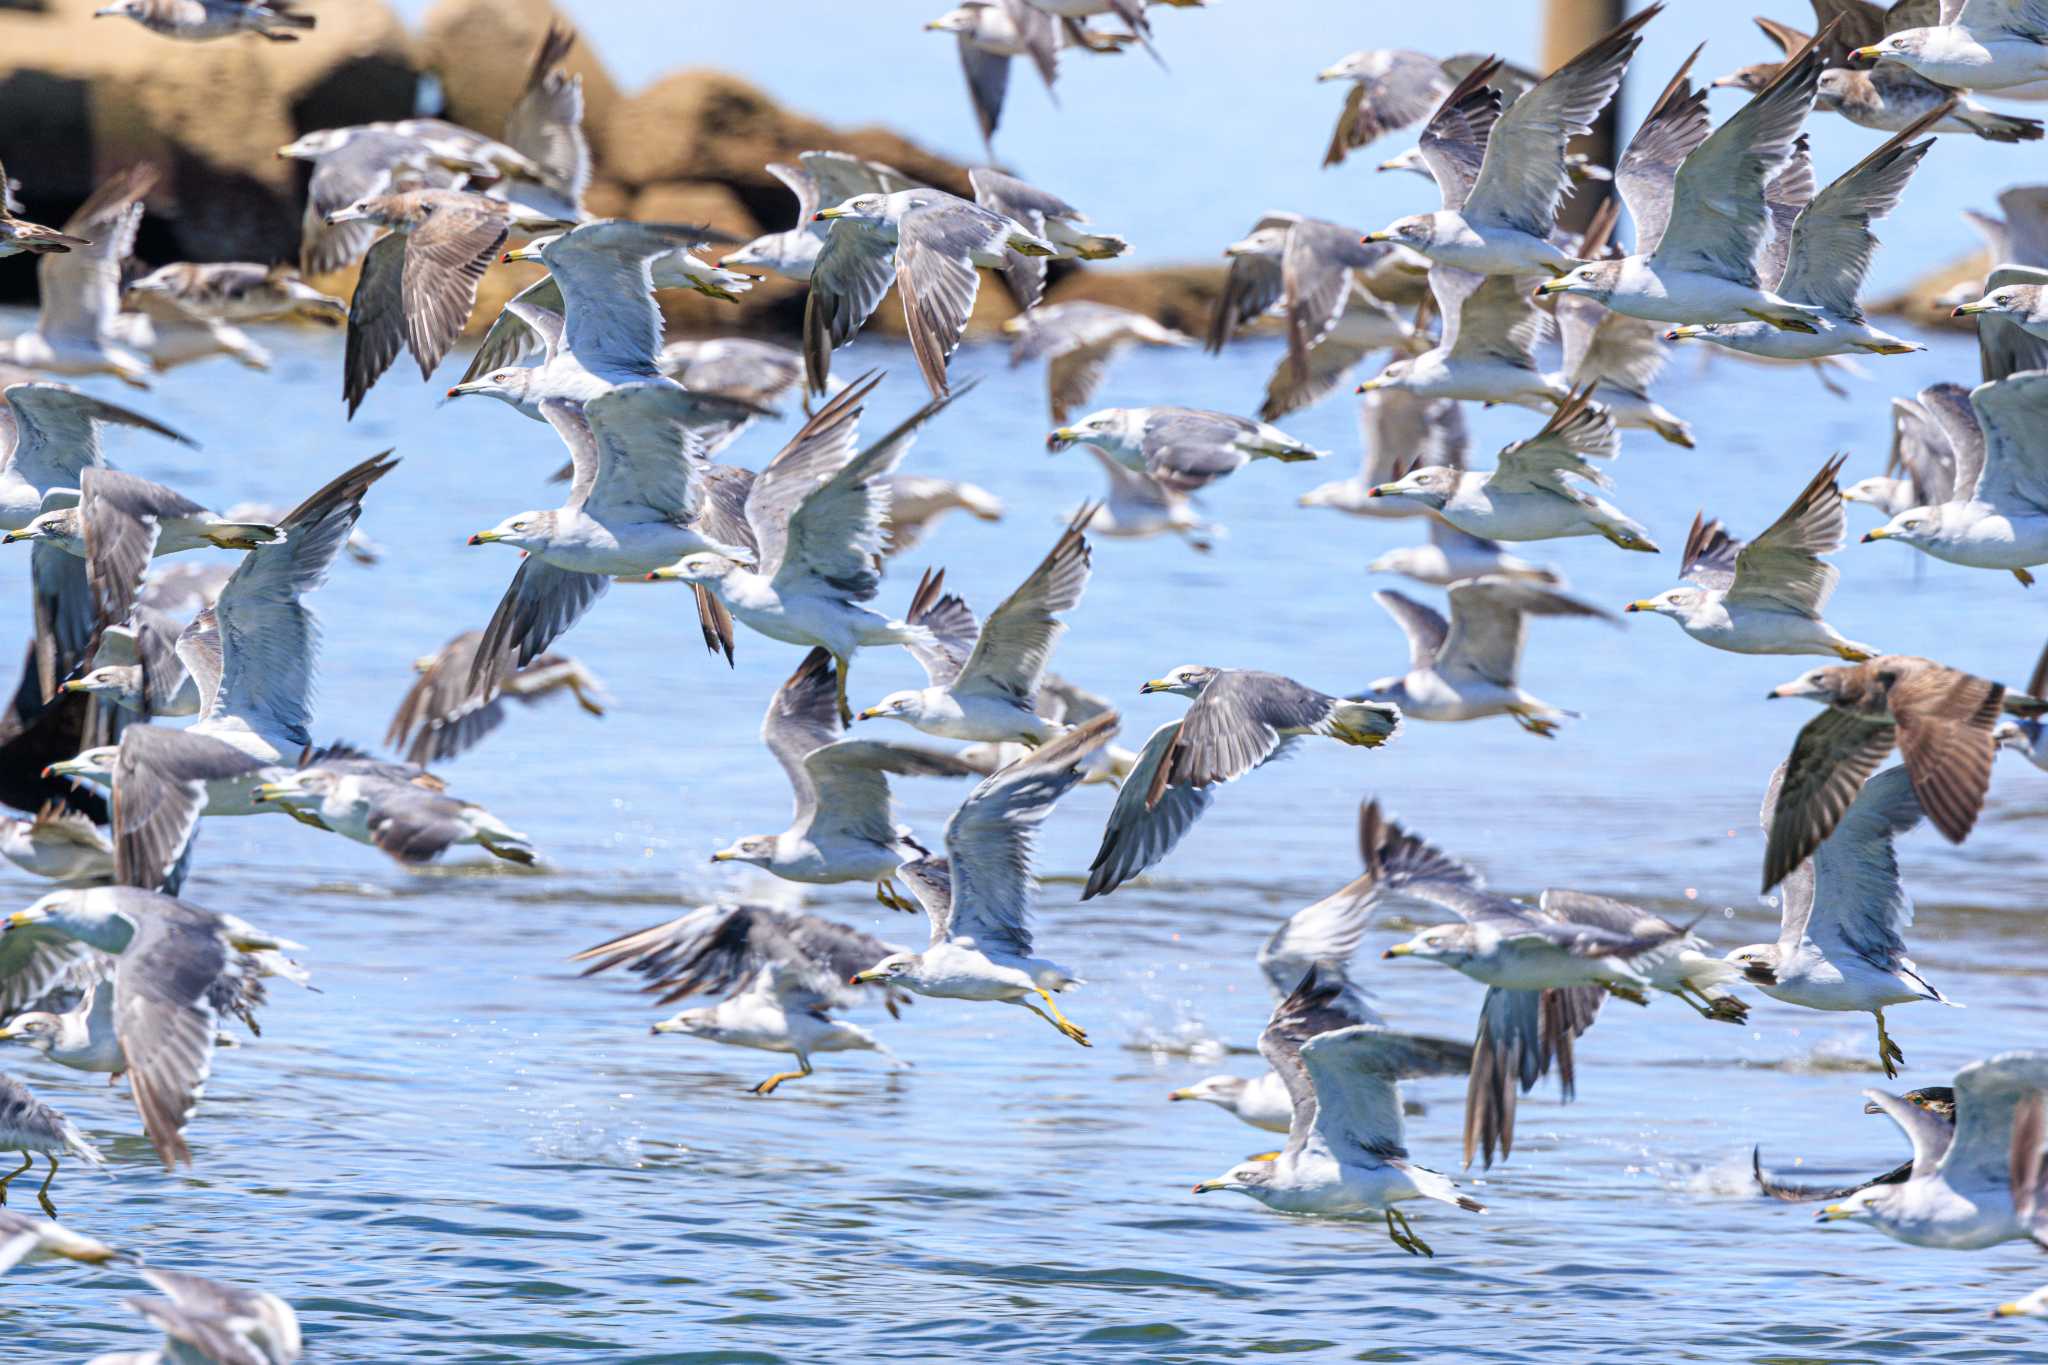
(546,123)
(928,243)
(86,1037)
(1468,668)
(199,21)
(1346,1154)
(790,971)
(989,33)
(1241,718)
(80,290)
(419,280)
(1138,507)
(1529,496)
(1703,268)
(918,501)
(1451,556)
(1046,216)
(1831,249)
(137,667)
(1934,433)
(59,843)
(1940,718)
(979,893)
(1487,350)
(816,514)
(1988,45)
(177,968)
(18,236)
(204,1319)
(984,680)
(819,180)
(1061,703)
(1618,357)
(643,495)
(1079,341)
(843,827)
(1397,428)
(1996,516)
(1840,944)
(240,291)
(29,1126)
(1765,597)
(2025,304)
(1365,325)
(1969,1182)
(1320,938)
(1939,1101)
(394,807)
(1390,89)
(741,368)
(1504,225)
(1185,449)
(439,719)
(2024,736)
(25,1240)
(354,164)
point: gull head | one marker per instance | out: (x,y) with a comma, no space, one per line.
(1394,376)
(523,530)
(1188,680)
(1914,526)
(37,1030)
(1418,231)
(378,209)
(92,765)
(1758,963)
(2020,736)
(308,146)
(296,791)
(1108,428)
(1246,1177)
(758,849)
(870,209)
(507,386)
(2013,298)
(534,252)
(1355,67)
(1431,486)
(1451,944)
(61,526)
(697,1023)
(1266,241)
(1749,79)
(1595,279)
(904,706)
(1935,1099)
(890,968)
(1674,602)
(1823,685)
(1898,47)
(708,569)
(116,682)
(1864,1206)
(43,910)
(965,19)
(1410,160)
(759,254)
(1876,491)
(1222,1090)
(119,9)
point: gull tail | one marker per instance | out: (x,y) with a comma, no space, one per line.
(2002,127)
(1430,1185)
(1101,246)
(1368,724)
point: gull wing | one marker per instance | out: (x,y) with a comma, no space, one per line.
(820,448)
(1148,819)
(1673,129)
(1489,622)
(1829,763)
(1990,1098)
(1832,243)
(1522,1036)
(81,288)
(605,271)
(990,839)
(444,259)
(57,432)
(164,1012)
(1524,174)
(1858,899)
(1402,87)
(1718,219)
(546,125)
(1235,725)
(1356,1071)
(1422,625)
(1577,431)
(650,456)
(853,271)
(1017,639)
(2013,415)
(1782,567)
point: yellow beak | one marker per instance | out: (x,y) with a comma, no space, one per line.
(864,978)
(1369,385)
(2004,1310)
(1210,1186)
(827,215)
(1549,287)
(1376,236)
(1400,950)
(870,713)
(11,537)
(1644,605)
(8,1032)
(664,573)
(1834,1213)
(74,685)
(1869,54)
(265,791)
(721,857)
(1963,310)
(1155,685)
(485,538)
(20,918)
(1182,1094)
(520,253)
(1879,534)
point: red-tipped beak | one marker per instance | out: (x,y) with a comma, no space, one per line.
(505,258)
(476,540)
(1373,493)
(47,773)
(1957,312)
(453,393)
(820,218)
(1671,335)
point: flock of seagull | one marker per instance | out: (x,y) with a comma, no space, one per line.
(1735,245)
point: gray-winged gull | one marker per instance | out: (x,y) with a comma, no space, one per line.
(1079,341)
(29,1126)
(1987,45)
(1185,449)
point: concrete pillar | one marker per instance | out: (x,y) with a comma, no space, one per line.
(1568,27)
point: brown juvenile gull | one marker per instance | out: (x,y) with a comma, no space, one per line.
(208,1321)
(1346,1154)
(843,827)
(1841,937)
(419,281)
(928,243)
(1079,341)
(819,180)
(1047,216)
(28,1126)
(785,972)
(1765,596)
(1240,719)
(199,21)
(351,165)
(1185,449)
(1939,718)
(439,718)
(18,235)
(240,291)
(984,687)
(918,501)
(1390,89)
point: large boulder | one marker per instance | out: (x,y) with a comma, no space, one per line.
(81,97)
(482,51)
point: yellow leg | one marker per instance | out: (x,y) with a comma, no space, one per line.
(27,1161)
(1624,992)
(1409,1229)
(1263,1156)
(43,1194)
(767,1087)
(1887,1050)
(1057,1020)
(1783,324)
(583,700)
(1853,654)
(1533,723)
(1887,347)
(2026,579)
(887,894)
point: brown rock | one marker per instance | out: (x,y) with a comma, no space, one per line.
(1915,302)
(607,199)
(482,52)
(1180,296)
(695,201)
